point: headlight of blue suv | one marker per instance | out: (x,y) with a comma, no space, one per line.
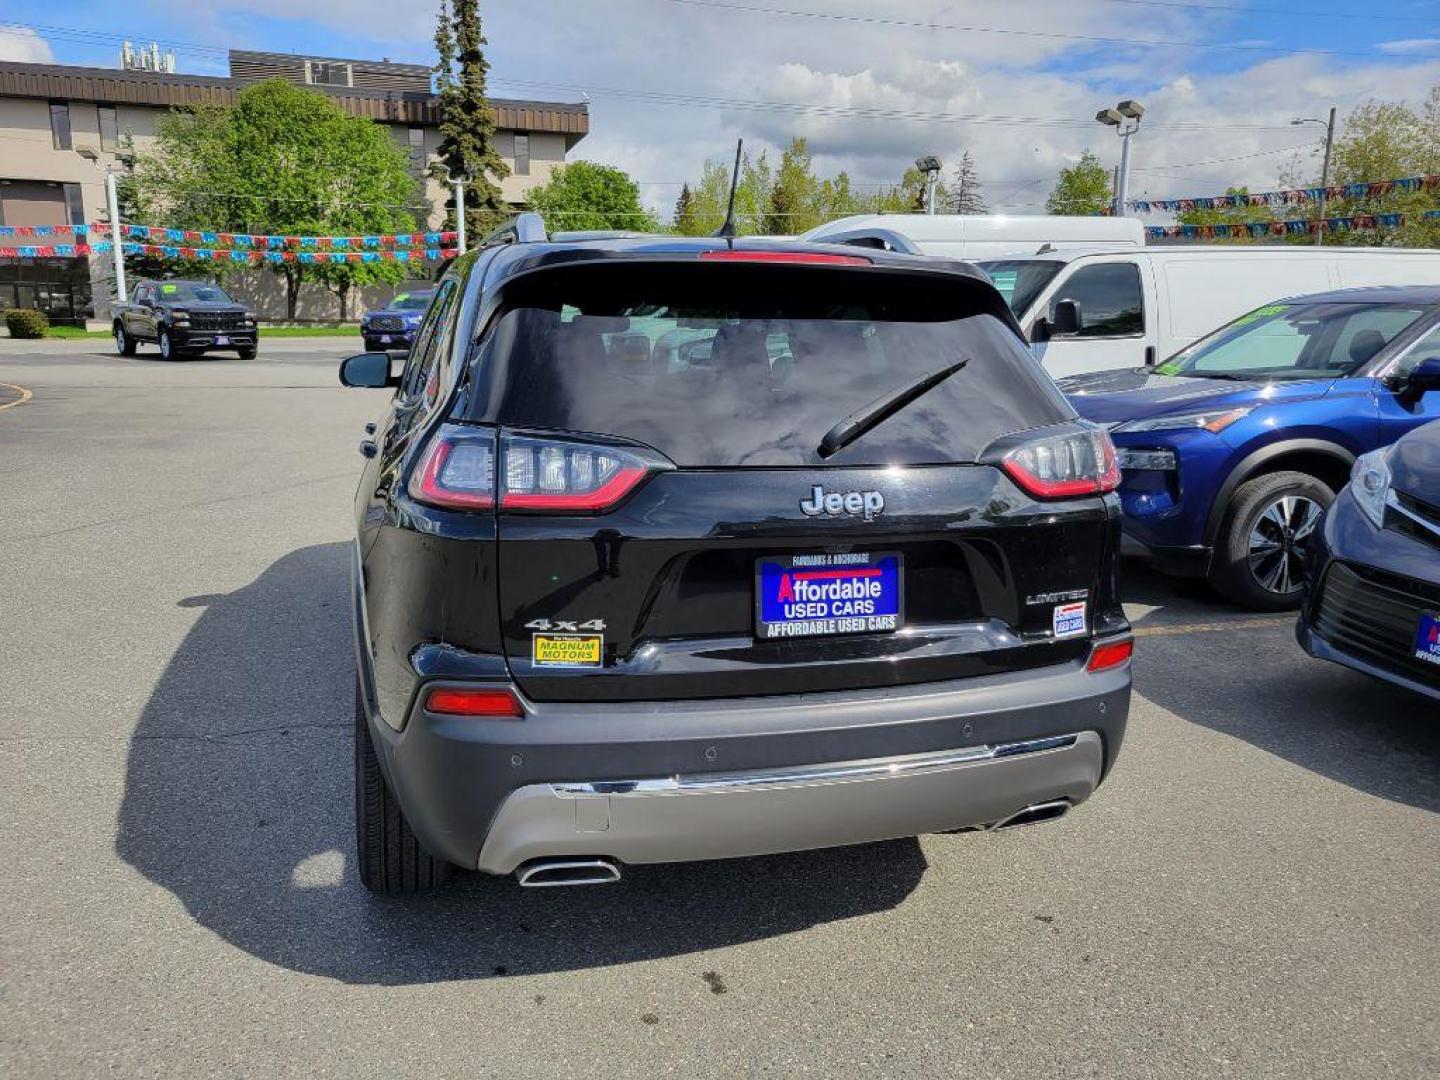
(1212,420)
(1370,484)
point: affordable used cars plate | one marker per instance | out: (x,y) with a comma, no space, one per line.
(1427,638)
(828,593)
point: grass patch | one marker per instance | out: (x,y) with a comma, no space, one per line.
(75,332)
(309,331)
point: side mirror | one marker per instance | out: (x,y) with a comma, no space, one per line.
(370,370)
(1065,318)
(1424,377)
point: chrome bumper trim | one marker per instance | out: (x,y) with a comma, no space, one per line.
(876,768)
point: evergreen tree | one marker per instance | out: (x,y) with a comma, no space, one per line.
(684,211)
(467,126)
(965,194)
(795,196)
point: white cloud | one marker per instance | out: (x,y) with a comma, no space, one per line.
(1411,45)
(24,46)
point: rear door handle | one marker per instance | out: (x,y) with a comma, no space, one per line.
(1149,355)
(370,428)
(368,448)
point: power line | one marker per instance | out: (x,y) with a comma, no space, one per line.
(1238,10)
(666,97)
(1049,35)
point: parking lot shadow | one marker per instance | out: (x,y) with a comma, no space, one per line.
(238,801)
(1243,674)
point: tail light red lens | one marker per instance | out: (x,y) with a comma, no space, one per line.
(459,468)
(1062,466)
(457,702)
(808,258)
(1110,655)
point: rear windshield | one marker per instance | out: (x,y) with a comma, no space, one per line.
(752,365)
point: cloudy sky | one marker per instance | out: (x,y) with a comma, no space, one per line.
(871,83)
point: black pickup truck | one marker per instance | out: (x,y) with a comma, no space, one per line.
(185,318)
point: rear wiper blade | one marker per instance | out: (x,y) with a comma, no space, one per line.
(881,409)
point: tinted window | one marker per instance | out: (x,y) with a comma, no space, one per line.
(1295,341)
(522,155)
(719,366)
(421,364)
(1109,299)
(60,125)
(109,127)
(1020,281)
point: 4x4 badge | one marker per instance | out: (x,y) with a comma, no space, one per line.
(866,504)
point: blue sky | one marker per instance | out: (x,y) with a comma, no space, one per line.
(1227,93)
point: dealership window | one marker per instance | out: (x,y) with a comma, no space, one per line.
(323,73)
(522,155)
(417,151)
(60,125)
(109,128)
(74,203)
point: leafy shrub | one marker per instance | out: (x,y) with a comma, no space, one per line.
(26,323)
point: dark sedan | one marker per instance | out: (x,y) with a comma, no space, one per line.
(1374,601)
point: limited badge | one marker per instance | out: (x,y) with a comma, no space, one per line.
(567,650)
(1069,619)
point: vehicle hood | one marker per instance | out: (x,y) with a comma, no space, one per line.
(402,312)
(202,305)
(1113,397)
(1415,464)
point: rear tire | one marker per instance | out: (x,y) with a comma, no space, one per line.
(390,859)
(1261,557)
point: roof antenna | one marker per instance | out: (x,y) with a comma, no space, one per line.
(728,230)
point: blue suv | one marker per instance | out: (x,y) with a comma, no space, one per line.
(394,325)
(1232,449)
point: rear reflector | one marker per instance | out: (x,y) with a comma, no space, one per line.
(797,257)
(1062,466)
(1110,655)
(453,702)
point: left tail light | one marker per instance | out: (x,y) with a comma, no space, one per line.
(1063,466)
(462,468)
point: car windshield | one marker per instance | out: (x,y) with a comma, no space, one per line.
(1020,281)
(190,292)
(413,301)
(1300,340)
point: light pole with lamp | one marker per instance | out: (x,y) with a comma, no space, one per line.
(1125,119)
(930,166)
(1324,168)
(458,182)
(112,211)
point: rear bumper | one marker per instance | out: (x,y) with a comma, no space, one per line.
(719,816)
(697,779)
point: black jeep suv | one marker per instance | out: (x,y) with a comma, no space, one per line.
(678,549)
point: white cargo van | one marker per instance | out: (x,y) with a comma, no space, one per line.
(1131,308)
(979,236)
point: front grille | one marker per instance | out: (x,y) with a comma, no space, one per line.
(1413,517)
(1375,616)
(387,324)
(217,320)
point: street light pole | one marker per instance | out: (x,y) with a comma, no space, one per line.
(1125,119)
(112,209)
(1324,168)
(459,185)
(930,166)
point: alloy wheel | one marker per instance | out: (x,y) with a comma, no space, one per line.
(119,341)
(1277,555)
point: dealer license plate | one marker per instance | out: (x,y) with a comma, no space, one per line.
(384,339)
(818,595)
(1427,638)
(221,339)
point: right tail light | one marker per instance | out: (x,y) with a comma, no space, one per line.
(463,468)
(1063,466)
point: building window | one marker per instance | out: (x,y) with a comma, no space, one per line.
(60,125)
(522,155)
(109,128)
(328,73)
(417,151)
(75,203)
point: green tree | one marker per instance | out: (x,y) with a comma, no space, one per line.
(584,195)
(837,199)
(467,125)
(281,160)
(684,210)
(795,204)
(965,194)
(1081,189)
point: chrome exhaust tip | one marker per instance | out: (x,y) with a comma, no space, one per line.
(1034,814)
(547,873)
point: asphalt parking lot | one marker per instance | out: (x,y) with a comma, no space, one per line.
(1253,892)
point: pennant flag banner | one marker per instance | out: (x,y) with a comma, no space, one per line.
(1353,223)
(77,231)
(1290,196)
(256,258)
(51,251)
(378,242)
